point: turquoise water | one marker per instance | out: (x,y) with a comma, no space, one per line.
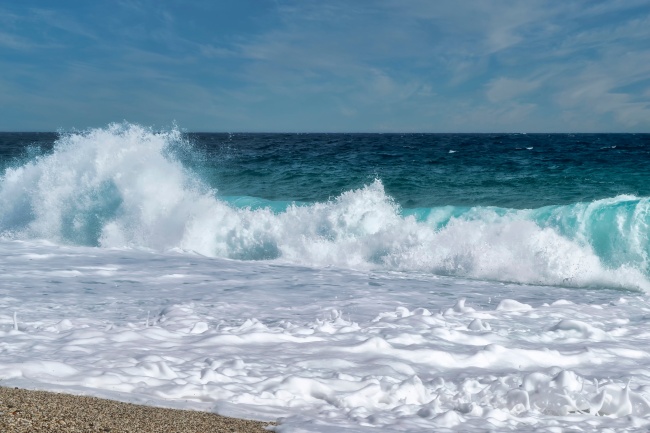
(544,209)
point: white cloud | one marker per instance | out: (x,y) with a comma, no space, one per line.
(596,87)
(61,21)
(348,111)
(210,51)
(418,64)
(15,42)
(503,89)
(512,116)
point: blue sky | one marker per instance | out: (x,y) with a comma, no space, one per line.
(327,65)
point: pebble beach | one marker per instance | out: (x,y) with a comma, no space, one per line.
(25,411)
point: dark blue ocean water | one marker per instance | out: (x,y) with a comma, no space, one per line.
(426,170)
(565,206)
(417,170)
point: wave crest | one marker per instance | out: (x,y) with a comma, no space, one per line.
(121,186)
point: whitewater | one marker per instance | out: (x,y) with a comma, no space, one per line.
(136,266)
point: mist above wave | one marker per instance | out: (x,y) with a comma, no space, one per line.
(122,186)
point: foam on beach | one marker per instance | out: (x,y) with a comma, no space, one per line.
(266,341)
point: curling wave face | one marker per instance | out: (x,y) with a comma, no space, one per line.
(123,186)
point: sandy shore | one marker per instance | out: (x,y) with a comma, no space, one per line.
(47,412)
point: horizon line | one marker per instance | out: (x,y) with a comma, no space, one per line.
(74,130)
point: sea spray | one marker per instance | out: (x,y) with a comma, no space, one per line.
(125,186)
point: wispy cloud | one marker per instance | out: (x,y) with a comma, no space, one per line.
(340,65)
(54,19)
(16,42)
(504,89)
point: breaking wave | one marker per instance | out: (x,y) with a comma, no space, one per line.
(123,186)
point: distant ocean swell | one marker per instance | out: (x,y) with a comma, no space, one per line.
(123,186)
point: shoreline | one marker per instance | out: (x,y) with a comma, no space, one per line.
(28,411)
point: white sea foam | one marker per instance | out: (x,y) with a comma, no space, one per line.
(324,349)
(122,187)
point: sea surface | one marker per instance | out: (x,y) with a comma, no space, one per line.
(406,282)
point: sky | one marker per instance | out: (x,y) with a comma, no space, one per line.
(327,65)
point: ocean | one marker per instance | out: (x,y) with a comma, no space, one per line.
(400,282)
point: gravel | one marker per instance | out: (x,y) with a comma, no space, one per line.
(48,412)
